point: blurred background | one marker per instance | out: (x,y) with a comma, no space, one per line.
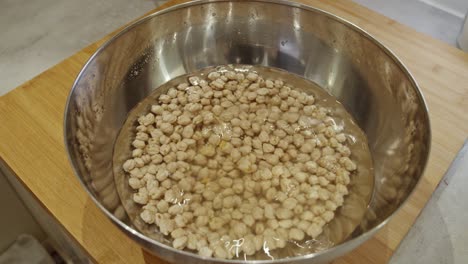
(38,34)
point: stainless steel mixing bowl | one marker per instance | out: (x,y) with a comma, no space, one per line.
(366,77)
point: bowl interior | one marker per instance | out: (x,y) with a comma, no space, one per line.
(346,62)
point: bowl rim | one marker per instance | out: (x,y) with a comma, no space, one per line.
(341,246)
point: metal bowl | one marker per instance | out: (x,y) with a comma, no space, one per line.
(367,78)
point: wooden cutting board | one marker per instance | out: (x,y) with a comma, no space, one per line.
(31,141)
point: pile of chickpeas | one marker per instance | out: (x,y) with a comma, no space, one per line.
(233,163)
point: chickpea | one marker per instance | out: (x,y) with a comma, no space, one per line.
(290,203)
(230,156)
(314,230)
(205,252)
(283,213)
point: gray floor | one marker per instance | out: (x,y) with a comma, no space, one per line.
(420,16)
(38,34)
(440,234)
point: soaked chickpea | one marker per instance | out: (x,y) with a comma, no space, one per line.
(233,158)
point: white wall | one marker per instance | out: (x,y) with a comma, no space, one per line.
(30,217)
(455,7)
(15,219)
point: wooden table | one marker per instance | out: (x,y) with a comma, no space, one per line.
(31,141)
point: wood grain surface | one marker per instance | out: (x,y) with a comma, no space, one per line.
(31,141)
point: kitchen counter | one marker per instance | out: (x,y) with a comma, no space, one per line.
(31,140)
